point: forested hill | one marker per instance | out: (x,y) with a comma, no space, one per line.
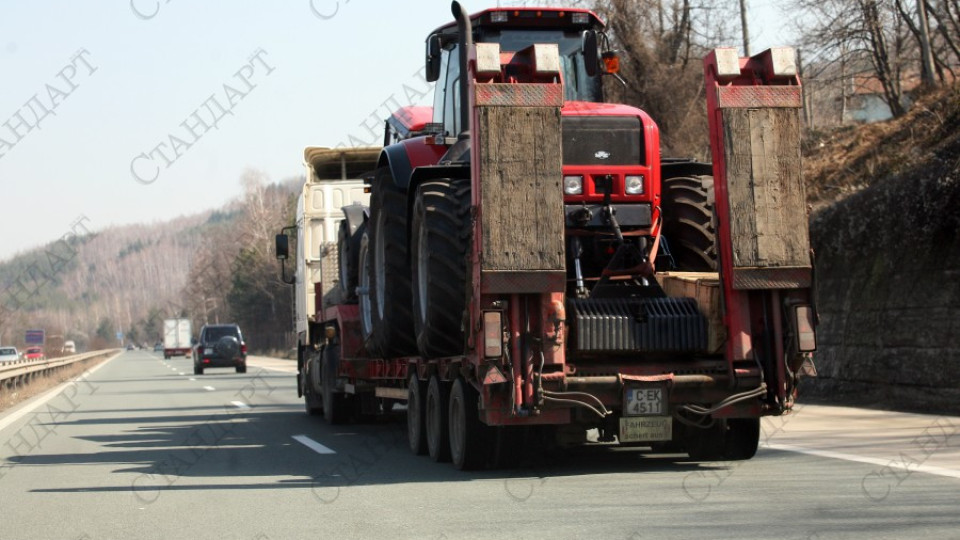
(91,284)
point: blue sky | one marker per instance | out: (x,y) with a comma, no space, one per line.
(121,77)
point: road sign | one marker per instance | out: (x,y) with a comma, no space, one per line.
(119,336)
(34,337)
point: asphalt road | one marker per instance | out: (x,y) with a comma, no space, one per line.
(142,448)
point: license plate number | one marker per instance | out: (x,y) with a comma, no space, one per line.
(644,402)
(646,428)
(208,351)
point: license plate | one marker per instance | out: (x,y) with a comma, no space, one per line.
(646,428)
(644,401)
(208,351)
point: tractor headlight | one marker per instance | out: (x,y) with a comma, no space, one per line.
(634,185)
(573,185)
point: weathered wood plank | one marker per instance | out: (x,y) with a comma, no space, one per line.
(521,192)
(768,216)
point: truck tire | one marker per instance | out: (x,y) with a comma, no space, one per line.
(336,406)
(438,422)
(389,269)
(311,386)
(363,288)
(416,415)
(348,250)
(468,450)
(440,237)
(733,439)
(688,224)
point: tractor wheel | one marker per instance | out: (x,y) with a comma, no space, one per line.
(363,288)
(389,271)
(348,250)
(437,415)
(336,406)
(688,222)
(468,450)
(440,238)
(416,415)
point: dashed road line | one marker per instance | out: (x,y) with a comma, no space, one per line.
(239,404)
(313,445)
(209,388)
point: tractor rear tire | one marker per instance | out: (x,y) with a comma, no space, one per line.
(688,223)
(438,420)
(440,237)
(348,251)
(389,272)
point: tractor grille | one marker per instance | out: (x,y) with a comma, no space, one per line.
(637,325)
(602,140)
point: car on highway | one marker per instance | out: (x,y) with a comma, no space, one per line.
(131,347)
(9,354)
(220,345)
(33,353)
(158,347)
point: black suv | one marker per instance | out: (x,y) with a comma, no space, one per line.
(220,345)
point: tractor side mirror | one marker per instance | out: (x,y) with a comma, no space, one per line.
(283,247)
(433,57)
(591,57)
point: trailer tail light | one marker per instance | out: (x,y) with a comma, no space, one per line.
(492,334)
(634,185)
(806,336)
(573,185)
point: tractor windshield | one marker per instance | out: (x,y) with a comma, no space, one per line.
(578,86)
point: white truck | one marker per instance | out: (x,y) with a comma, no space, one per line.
(334,197)
(177,336)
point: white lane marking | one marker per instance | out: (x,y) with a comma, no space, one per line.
(192,379)
(209,388)
(313,445)
(43,398)
(239,404)
(892,463)
(181,373)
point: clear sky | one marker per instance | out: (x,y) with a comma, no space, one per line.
(119,78)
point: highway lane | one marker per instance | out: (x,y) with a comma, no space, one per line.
(142,448)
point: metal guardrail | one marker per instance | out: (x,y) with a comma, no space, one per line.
(13,371)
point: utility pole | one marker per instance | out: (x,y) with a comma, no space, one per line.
(926,54)
(743,27)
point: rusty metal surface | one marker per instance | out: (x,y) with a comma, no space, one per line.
(518,95)
(758,97)
(772,278)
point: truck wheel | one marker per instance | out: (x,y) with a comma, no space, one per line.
(688,222)
(416,415)
(733,439)
(348,250)
(312,401)
(363,288)
(336,406)
(440,237)
(389,269)
(438,438)
(467,448)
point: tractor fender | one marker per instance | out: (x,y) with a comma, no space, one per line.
(402,158)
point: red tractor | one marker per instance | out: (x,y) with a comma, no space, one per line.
(528,261)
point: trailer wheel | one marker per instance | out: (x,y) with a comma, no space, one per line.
(688,224)
(438,438)
(440,236)
(732,439)
(416,415)
(348,250)
(467,448)
(336,406)
(389,271)
(313,403)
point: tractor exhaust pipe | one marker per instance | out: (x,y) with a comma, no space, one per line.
(465,29)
